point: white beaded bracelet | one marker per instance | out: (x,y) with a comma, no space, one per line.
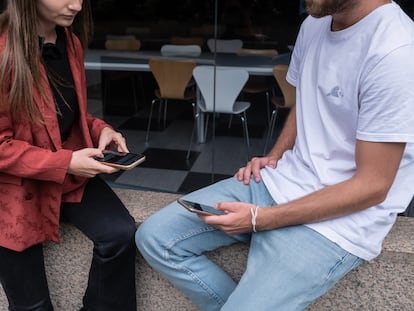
(254,211)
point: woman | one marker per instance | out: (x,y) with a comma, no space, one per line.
(48,143)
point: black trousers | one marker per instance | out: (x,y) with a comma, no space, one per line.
(102,217)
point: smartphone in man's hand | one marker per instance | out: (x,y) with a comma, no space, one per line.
(199,208)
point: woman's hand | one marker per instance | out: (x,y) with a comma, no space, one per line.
(236,218)
(253,168)
(84,164)
(113,139)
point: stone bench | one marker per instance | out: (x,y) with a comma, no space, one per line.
(386,283)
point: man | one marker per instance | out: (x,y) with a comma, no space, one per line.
(329,191)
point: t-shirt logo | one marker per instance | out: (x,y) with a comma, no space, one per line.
(336,92)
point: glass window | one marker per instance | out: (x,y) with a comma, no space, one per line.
(260,24)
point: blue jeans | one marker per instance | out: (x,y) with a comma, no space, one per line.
(286,270)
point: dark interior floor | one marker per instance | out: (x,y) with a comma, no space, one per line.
(167,168)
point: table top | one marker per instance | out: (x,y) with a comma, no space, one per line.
(138,61)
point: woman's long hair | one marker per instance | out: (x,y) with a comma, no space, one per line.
(21,58)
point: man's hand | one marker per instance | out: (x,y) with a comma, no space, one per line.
(236,218)
(253,168)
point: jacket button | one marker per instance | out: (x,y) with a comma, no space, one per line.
(28,196)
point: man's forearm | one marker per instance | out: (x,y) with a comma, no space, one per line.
(376,167)
(331,202)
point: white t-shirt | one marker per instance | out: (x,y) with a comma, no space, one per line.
(357,83)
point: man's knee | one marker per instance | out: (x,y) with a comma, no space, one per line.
(145,238)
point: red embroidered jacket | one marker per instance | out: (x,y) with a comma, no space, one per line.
(34,163)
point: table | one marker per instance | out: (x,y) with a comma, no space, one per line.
(138,61)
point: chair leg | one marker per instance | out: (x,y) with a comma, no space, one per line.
(160,108)
(192,132)
(268,103)
(150,119)
(271,129)
(246,133)
(230,121)
(165,112)
(206,126)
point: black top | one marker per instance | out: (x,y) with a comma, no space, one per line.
(61,82)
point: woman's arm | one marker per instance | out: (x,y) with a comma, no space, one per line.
(20,158)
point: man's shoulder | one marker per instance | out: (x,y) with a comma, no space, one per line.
(391,26)
(392,37)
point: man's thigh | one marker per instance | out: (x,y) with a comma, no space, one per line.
(288,268)
(232,190)
(175,228)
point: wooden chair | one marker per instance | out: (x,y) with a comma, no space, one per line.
(287,101)
(224,46)
(219,88)
(172,77)
(259,84)
(121,43)
(178,50)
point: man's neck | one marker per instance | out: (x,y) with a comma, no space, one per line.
(354,14)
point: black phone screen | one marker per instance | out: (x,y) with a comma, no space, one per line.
(121,160)
(202,207)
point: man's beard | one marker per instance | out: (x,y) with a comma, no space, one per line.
(321,8)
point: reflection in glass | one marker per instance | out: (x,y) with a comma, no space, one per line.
(259,23)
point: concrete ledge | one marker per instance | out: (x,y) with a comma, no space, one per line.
(385,284)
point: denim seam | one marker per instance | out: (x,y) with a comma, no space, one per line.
(188,271)
(330,273)
(187,235)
